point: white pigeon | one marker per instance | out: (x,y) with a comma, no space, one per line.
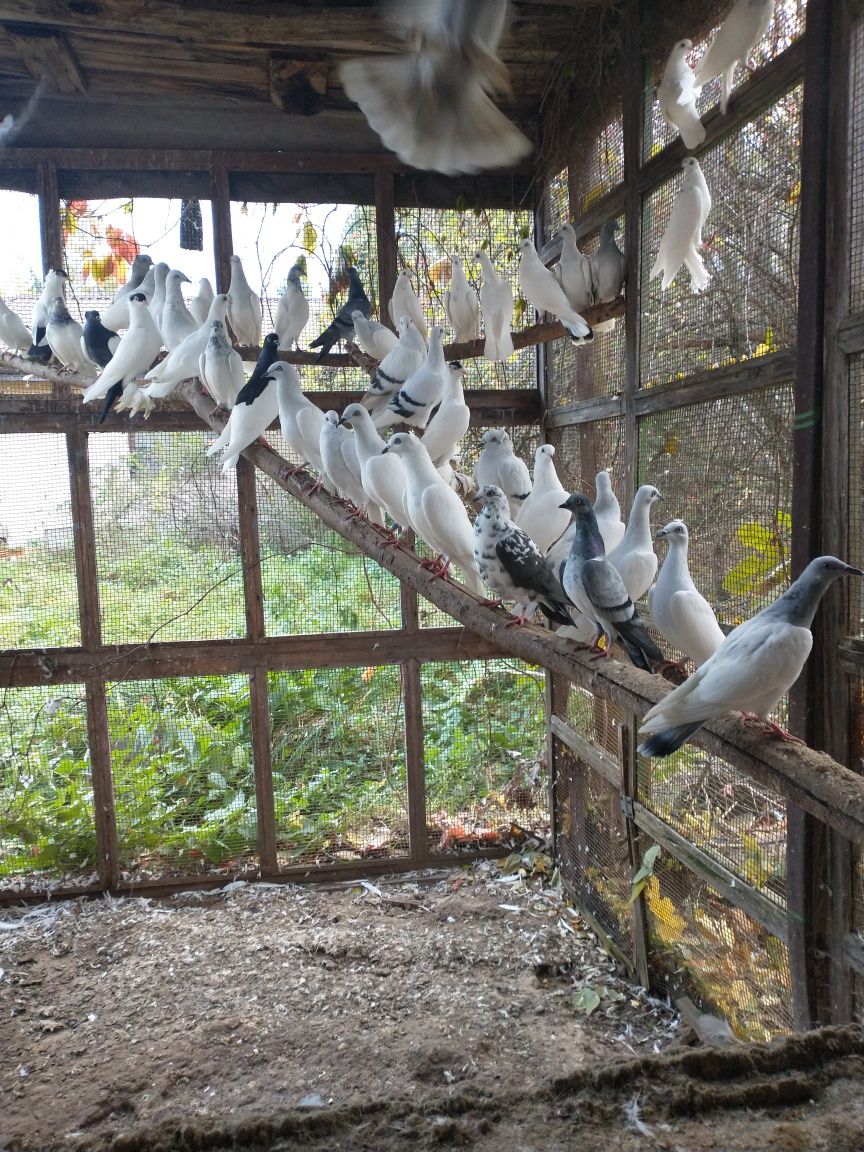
(299,419)
(157,300)
(398,365)
(54,286)
(676,95)
(404,302)
(541,516)
(746,23)
(753,668)
(608,270)
(436,513)
(573,271)
(220,367)
(244,307)
(64,336)
(607,510)
(199,304)
(255,409)
(414,401)
(292,311)
(496,304)
(382,474)
(635,558)
(138,348)
(461,306)
(176,321)
(678,611)
(339,457)
(375,339)
(541,288)
(683,236)
(13,331)
(450,422)
(499,465)
(184,361)
(430,103)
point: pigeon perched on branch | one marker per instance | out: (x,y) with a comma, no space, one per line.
(678,611)
(54,286)
(461,306)
(64,337)
(176,321)
(292,311)
(608,270)
(375,339)
(342,325)
(400,363)
(220,367)
(541,516)
(404,302)
(498,464)
(299,419)
(13,331)
(137,349)
(414,401)
(255,409)
(184,361)
(199,304)
(540,286)
(381,474)
(244,307)
(99,343)
(635,557)
(573,271)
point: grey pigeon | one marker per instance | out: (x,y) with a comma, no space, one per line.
(511,563)
(752,669)
(595,587)
(342,327)
(138,269)
(607,271)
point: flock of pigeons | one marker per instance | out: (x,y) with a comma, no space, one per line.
(533,543)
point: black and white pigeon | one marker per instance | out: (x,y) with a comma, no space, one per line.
(420,393)
(594,586)
(54,286)
(268,356)
(342,326)
(498,464)
(752,669)
(64,334)
(512,564)
(134,354)
(255,409)
(398,365)
(99,343)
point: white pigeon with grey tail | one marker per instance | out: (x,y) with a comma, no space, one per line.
(299,419)
(414,401)
(400,363)
(375,339)
(746,23)
(676,95)
(496,304)
(635,558)
(461,306)
(541,516)
(678,610)
(404,302)
(64,335)
(498,464)
(541,288)
(683,236)
(13,331)
(292,311)
(176,322)
(608,270)
(184,361)
(199,304)
(382,474)
(220,367)
(244,307)
(574,271)
(752,669)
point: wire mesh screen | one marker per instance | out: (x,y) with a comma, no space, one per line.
(483,725)
(750,250)
(47,824)
(339,764)
(600,168)
(856,168)
(856,489)
(583,450)
(38,589)
(184,787)
(21,273)
(166,539)
(704,947)
(733,490)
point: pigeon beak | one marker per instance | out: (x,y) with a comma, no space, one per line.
(658,497)
(477,499)
(267,379)
(661,534)
(386,448)
(854,571)
(566,505)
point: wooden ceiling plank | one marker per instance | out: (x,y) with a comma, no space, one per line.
(47,55)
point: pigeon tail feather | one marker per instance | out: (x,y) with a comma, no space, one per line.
(667,740)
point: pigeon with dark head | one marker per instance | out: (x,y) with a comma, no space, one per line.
(342,326)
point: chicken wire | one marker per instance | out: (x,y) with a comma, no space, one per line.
(167,540)
(21,271)
(47,822)
(750,250)
(339,782)
(38,587)
(483,726)
(703,947)
(184,788)
(853,588)
(599,168)
(856,168)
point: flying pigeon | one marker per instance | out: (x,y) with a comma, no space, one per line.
(382,474)
(746,23)
(184,361)
(635,558)
(99,343)
(299,419)
(752,669)
(398,365)
(683,236)
(414,401)
(176,321)
(404,302)
(220,368)
(375,339)
(430,103)
(541,516)
(342,326)
(434,510)
(255,409)
(539,286)
(594,586)
(679,613)
(512,564)
(450,422)
(199,304)
(607,271)
(13,331)
(138,348)
(64,338)
(54,286)
(573,271)
(496,304)
(461,305)
(292,311)
(342,466)
(676,95)
(499,465)
(244,307)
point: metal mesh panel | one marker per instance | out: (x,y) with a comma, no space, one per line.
(38,590)
(338,764)
(707,949)
(166,539)
(856,169)
(582,450)
(600,168)
(21,273)
(47,829)
(184,789)
(856,487)
(484,740)
(750,251)
(733,489)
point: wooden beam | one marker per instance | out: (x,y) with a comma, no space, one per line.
(50,230)
(596,759)
(385,242)
(47,57)
(297,87)
(850,333)
(223,245)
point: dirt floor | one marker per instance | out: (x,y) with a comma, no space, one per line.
(428,1012)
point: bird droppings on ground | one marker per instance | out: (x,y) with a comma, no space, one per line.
(428,1009)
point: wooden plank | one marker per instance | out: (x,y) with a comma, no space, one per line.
(584,412)
(84,541)
(850,333)
(47,56)
(262,758)
(714,383)
(297,87)
(737,891)
(853,948)
(250,550)
(223,246)
(598,761)
(385,242)
(415,762)
(50,231)
(101,777)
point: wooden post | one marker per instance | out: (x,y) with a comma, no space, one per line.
(415,756)
(223,247)
(50,229)
(385,235)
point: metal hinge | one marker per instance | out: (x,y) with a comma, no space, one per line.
(626,803)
